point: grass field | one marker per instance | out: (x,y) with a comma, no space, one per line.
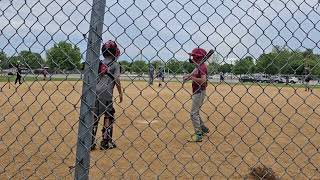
(250,125)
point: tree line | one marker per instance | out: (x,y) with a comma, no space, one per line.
(281,60)
(62,56)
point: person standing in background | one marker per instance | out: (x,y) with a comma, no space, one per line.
(45,73)
(151,74)
(160,76)
(307,83)
(18,78)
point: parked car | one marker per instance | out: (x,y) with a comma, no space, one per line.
(278,79)
(293,80)
(247,79)
(263,80)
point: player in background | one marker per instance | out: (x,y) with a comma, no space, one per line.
(221,77)
(160,76)
(18,78)
(109,76)
(45,73)
(151,74)
(199,84)
(307,83)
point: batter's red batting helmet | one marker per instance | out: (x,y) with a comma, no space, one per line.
(198,54)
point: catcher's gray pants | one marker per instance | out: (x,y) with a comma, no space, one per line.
(197,101)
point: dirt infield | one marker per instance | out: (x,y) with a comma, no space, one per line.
(250,125)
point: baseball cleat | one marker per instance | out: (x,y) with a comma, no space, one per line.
(205,130)
(197,137)
(104,145)
(112,145)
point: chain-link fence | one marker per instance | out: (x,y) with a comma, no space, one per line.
(261,106)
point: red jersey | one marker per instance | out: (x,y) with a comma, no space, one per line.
(198,72)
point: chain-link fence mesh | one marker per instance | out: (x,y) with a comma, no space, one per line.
(261,104)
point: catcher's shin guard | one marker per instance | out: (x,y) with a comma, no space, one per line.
(104,134)
(108,130)
(94,130)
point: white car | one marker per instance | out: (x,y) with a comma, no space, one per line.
(277,79)
(293,80)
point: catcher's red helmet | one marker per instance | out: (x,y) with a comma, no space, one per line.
(198,54)
(110,47)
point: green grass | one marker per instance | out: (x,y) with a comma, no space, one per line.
(13,78)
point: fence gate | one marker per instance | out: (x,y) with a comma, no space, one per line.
(262,103)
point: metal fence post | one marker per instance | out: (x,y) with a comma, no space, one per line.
(89,90)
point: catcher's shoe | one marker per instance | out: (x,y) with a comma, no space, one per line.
(205,130)
(93,147)
(104,145)
(196,137)
(112,145)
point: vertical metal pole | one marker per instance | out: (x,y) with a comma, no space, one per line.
(89,90)
(142,74)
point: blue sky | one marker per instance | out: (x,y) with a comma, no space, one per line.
(164,29)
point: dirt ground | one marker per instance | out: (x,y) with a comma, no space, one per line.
(250,126)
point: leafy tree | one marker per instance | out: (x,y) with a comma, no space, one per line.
(14,61)
(213,68)
(277,49)
(282,60)
(30,59)
(311,61)
(174,66)
(293,63)
(266,64)
(307,53)
(4,64)
(27,59)
(187,67)
(244,66)
(157,63)
(64,56)
(139,67)
(226,68)
(277,61)
(126,65)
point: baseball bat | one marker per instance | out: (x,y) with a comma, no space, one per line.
(206,57)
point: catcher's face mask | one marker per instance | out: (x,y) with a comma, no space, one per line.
(110,48)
